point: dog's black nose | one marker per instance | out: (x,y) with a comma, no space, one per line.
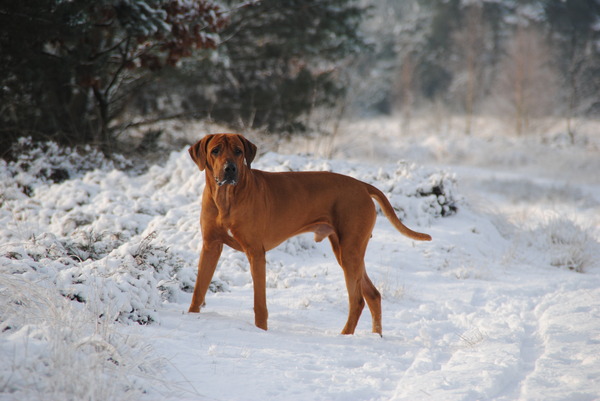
(230,175)
(230,168)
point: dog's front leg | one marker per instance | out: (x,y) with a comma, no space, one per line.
(209,256)
(257,268)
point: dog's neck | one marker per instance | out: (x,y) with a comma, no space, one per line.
(226,197)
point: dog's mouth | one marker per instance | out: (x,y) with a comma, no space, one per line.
(228,178)
(226,181)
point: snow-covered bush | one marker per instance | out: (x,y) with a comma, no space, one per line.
(565,244)
(121,280)
(418,193)
(47,162)
(61,351)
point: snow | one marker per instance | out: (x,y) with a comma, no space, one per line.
(96,271)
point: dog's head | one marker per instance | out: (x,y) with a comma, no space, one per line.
(224,156)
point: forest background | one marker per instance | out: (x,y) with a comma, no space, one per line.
(88,71)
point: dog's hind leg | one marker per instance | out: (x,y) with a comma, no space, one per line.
(373,298)
(356,302)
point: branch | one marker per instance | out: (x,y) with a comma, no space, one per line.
(155,120)
(124,61)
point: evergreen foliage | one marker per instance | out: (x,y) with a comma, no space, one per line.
(279,60)
(80,71)
(68,67)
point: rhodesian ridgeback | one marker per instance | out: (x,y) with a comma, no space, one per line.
(253,211)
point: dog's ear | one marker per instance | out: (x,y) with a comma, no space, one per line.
(198,151)
(249,150)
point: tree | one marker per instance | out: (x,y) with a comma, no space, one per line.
(574,27)
(68,66)
(284,60)
(408,38)
(526,85)
(443,49)
(470,44)
(278,61)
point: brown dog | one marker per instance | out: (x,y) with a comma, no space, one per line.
(254,211)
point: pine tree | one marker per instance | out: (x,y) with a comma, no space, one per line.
(68,66)
(279,59)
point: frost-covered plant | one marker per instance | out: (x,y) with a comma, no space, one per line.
(87,244)
(127,282)
(47,162)
(59,351)
(419,192)
(391,289)
(569,244)
(566,244)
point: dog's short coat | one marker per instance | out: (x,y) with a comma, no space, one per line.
(254,211)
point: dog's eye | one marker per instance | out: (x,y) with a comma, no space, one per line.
(237,151)
(215,151)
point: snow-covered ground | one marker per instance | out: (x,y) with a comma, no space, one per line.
(503,304)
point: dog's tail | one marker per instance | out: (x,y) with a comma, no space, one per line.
(388,211)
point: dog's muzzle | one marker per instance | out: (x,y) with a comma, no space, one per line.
(230,175)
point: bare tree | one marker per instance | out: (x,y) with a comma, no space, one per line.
(526,85)
(471,48)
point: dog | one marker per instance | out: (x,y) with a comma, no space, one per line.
(253,211)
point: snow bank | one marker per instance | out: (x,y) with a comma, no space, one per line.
(125,243)
(61,351)
(502,305)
